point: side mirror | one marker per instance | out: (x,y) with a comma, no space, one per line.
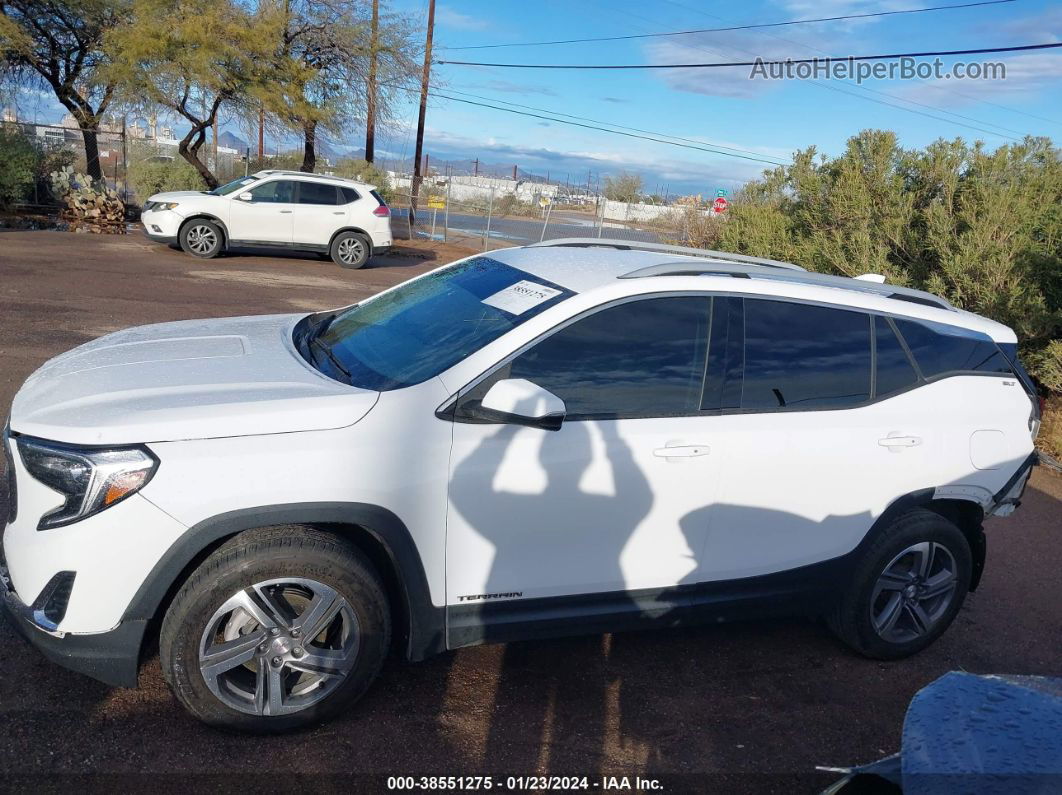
(517,401)
(245,197)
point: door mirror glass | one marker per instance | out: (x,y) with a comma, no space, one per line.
(521,402)
(245,197)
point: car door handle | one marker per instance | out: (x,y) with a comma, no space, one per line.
(682,451)
(339,212)
(282,212)
(896,443)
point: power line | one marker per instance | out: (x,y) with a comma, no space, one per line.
(892,56)
(608,123)
(722,30)
(614,132)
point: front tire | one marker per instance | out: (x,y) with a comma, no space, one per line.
(907,588)
(280,628)
(201,238)
(350,250)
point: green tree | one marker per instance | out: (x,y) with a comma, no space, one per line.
(193,56)
(60,43)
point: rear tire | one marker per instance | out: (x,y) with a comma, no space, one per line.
(278,629)
(201,238)
(907,588)
(350,250)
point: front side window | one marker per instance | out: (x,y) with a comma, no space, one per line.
(421,328)
(799,356)
(278,191)
(643,358)
(317,193)
(940,349)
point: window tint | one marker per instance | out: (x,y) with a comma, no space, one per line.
(894,370)
(349,194)
(799,356)
(279,190)
(317,193)
(639,359)
(942,349)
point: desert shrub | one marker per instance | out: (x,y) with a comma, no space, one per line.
(511,204)
(155,175)
(20,159)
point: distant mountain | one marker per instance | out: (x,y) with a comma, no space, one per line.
(232,141)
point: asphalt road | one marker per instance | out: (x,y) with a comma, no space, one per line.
(737,708)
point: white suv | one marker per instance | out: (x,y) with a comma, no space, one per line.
(562,438)
(346,220)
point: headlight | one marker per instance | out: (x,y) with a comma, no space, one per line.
(91,479)
(165,205)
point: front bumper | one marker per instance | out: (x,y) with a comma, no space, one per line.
(162,226)
(111,657)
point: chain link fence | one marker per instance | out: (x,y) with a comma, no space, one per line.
(491,213)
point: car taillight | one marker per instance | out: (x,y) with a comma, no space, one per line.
(383,211)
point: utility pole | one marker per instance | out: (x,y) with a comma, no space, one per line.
(261,132)
(370,103)
(475,172)
(514,173)
(424,80)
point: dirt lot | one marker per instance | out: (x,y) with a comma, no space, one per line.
(751,707)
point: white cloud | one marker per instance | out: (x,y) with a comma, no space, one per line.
(451,18)
(1027,76)
(740,46)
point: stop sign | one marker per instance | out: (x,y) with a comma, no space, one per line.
(720,205)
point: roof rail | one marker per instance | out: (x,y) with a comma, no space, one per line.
(289,172)
(663,248)
(744,271)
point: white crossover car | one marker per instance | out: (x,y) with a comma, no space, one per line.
(348,221)
(577,436)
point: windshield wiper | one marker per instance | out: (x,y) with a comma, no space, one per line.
(327,350)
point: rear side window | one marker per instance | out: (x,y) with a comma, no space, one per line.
(799,356)
(940,349)
(376,195)
(349,194)
(639,359)
(317,193)
(894,369)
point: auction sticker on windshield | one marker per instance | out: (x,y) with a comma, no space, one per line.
(518,298)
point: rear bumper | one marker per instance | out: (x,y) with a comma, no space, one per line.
(111,657)
(1009,497)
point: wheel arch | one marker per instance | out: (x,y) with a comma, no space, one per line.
(358,229)
(196,216)
(377,533)
(966,513)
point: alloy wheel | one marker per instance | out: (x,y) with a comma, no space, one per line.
(350,250)
(279,646)
(913,592)
(201,239)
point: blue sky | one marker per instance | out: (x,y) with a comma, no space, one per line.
(716,106)
(723,106)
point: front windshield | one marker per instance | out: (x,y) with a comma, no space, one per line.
(421,328)
(232,187)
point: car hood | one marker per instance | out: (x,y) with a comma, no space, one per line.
(174,195)
(196,379)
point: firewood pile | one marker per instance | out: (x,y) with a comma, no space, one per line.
(89,208)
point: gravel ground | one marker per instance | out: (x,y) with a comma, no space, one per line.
(744,707)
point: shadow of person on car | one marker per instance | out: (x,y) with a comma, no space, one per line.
(533,728)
